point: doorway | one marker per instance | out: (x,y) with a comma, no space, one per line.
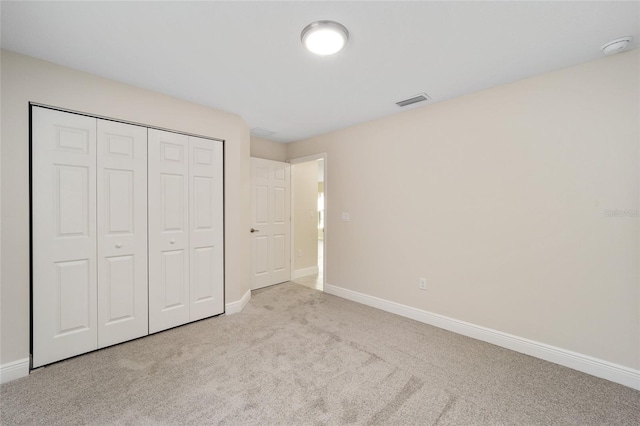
(308,195)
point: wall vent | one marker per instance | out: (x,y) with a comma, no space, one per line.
(413,100)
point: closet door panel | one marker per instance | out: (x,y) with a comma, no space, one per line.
(206,232)
(168,230)
(122,232)
(63,235)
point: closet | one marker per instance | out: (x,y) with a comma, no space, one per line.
(185,229)
(127,232)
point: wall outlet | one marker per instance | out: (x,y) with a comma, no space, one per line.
(422,283)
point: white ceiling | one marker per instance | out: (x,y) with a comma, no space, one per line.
(246,57)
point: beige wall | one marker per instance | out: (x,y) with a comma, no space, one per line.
(262,148)
(25,79)
(304,197)
(498,198)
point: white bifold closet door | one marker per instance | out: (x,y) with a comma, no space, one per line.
(206,256)
(89,237)
(122,232)
(64,235)
(186,281)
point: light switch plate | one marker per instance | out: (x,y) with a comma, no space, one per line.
(345,217)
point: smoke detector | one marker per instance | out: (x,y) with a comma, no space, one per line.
(616,46)
(262,133)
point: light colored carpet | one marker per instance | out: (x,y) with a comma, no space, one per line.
(298,356)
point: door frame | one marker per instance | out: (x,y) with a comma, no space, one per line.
(321,156)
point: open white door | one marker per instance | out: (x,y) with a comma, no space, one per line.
(270,222)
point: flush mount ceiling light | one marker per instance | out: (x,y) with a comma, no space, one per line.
(324,37)
(616,46)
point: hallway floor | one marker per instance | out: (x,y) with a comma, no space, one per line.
(314,281)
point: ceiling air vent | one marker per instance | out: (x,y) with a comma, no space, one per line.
(413,100)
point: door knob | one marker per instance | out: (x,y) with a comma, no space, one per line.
(172,241)
(118,245)
(254,230)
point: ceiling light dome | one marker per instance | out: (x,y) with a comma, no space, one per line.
(324,37)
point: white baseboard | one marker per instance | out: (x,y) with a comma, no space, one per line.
(14,370)
(238,305)
(585,363)
(304,272)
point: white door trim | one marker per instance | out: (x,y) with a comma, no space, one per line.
(306,159)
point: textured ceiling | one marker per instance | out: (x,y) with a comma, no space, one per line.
(246,57)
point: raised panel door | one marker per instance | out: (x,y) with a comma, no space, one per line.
(168,218)
(206,228)
(270,221)
(63,213)
(122,232)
